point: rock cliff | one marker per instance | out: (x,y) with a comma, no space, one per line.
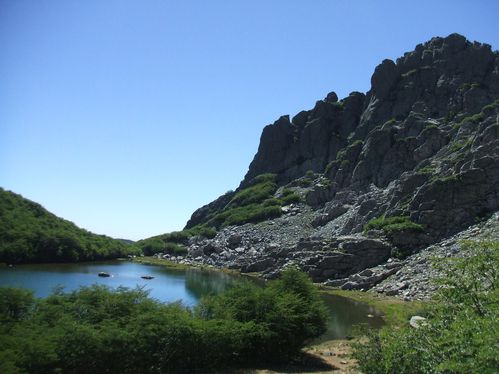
(376,176)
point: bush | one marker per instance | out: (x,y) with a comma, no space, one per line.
(461,331)
(246,214)
(289,312)
(289,199)
(393,224)
(98,330)
(174,242)
(175,249)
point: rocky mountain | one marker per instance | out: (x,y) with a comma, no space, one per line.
(364,182)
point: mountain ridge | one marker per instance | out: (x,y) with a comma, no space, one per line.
(385,173)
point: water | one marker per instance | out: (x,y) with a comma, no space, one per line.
(169,285)
(345,315)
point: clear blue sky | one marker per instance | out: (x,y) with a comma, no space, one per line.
(125,116)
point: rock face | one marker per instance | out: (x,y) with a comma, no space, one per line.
(422,144)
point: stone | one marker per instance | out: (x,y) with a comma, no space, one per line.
(234,240)
(417,322)
(421,143)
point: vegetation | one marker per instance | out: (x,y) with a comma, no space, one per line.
(330,166)
(430,126)
(393,224)
(98,330)
(289,197)
(460,145)
(487,110)
(174,243)
(427,169)
(453,178)
(32,234)
(253,203)
(460,334)
(389,123)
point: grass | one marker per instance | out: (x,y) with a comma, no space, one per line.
(393,224)
(254,194)
(479,117)
(149,260)
(246,214)
(459,145)
(429,126)
(428,169)
(389,123)
(344,164)
(330,165)
(290,199)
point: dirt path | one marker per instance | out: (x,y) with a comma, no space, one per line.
(331,357)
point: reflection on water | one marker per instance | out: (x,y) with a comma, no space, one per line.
(202,283)
(169,285)
(346,313)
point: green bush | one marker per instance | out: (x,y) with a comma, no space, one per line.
(461,332)
(428,169)
(290,199)
(330,166)
(246,214)
(393,224)
(175,241)
(174,248)
(262,188)
(459,145)
(94,329)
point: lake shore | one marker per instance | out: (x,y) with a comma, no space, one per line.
(330,356)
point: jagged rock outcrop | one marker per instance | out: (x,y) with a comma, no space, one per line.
(440,78)
(421,148)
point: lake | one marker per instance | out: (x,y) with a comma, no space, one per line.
(169,285)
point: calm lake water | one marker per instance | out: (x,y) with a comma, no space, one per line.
(168,285)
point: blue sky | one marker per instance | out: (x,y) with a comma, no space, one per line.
(125,116)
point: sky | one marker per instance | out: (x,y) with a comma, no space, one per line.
(125,116)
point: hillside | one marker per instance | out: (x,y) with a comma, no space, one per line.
(29,233)
(350,184)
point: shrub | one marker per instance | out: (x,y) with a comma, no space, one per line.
(459,145)
(291,198)
(201,230)
(247,214)
(271,202)
(174,248)
(345,164)
(94,329)
(392,224)
(428,169)
(461,331)
(287,313)
(330,166)
(257,193)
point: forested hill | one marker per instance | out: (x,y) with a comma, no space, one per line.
(29,233)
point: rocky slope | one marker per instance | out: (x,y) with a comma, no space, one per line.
(379,176)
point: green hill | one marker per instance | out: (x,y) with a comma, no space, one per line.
(29,233)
